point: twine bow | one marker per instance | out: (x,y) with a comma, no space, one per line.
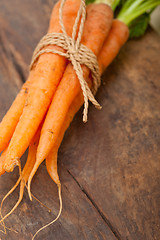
(76,52)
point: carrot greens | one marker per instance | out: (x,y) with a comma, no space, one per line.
(134,13)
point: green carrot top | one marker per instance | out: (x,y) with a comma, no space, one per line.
(134,13)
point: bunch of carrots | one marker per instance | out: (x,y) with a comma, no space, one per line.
(52,95)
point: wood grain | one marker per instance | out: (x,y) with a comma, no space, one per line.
(115,157)
(109,167)
(80,219)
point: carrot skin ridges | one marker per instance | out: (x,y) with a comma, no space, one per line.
(46,77)
(93,37)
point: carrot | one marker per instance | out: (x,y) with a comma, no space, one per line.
(96,28)
(51,160)
(117,37)
(46,77)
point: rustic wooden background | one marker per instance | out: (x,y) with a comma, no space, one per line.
(109,167)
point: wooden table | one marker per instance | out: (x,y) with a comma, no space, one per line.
(109,167)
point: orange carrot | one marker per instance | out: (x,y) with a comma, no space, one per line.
(96,28)
(117,37)
(46,77)
(51,160)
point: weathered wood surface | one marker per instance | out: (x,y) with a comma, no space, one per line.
(110,166)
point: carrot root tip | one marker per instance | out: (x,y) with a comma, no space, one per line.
(59,213)
(10,167)
(85,119)
(99,107)
(29,190)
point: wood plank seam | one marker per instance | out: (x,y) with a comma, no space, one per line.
(107,222)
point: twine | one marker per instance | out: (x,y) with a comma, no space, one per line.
(76,52)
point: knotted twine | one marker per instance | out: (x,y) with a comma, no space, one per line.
(76,52)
